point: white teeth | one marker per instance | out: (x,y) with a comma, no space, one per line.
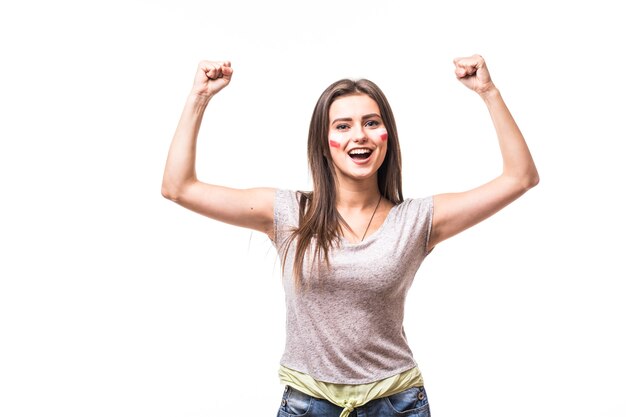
(359,151)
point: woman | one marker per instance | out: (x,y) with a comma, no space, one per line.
(351,247)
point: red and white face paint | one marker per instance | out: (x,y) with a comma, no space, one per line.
(334,140)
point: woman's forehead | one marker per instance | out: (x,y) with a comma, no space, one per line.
(353,105)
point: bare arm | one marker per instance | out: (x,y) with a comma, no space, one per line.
(251,208)
(455,212)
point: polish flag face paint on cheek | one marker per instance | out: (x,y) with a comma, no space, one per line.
(383,136)
(334,141)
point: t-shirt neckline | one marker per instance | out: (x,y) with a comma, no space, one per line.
(346,243)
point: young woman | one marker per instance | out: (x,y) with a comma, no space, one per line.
(351,247)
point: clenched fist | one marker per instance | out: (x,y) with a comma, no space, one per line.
(211,77)
(472,72)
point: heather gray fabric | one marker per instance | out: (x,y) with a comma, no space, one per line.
(344,326)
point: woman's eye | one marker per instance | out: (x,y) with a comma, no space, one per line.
(372,123)
(341,127)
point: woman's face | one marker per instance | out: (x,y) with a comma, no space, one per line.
(357,136)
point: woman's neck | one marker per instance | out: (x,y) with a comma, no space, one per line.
(357,195)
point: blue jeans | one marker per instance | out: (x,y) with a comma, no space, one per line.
(410,403)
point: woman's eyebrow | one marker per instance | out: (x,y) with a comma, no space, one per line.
(349,119)
(342,119)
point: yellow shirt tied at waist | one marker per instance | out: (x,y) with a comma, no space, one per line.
(347,396)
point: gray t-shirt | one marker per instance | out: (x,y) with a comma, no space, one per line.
(344,325)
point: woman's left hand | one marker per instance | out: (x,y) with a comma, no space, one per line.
(473,73)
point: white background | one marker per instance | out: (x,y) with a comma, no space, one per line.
(116,302)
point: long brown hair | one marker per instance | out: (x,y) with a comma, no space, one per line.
(319,218)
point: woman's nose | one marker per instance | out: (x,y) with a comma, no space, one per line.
(358,135)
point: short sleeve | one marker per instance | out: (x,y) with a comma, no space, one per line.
(415,219)
(285,216)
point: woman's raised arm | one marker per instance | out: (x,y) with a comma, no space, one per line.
(455,212)
(251,208)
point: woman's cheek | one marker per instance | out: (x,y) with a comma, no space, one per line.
(382,134)
(334,140)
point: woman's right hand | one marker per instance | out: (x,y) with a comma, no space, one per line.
(211,77)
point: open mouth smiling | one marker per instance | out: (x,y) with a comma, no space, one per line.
(360,153)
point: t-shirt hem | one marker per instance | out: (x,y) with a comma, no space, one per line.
(350,381)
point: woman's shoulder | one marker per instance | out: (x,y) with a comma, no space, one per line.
(287,197)
(287,205)
(413,211)
(415,204)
